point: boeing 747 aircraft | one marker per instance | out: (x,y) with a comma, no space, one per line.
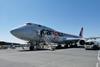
(38,36)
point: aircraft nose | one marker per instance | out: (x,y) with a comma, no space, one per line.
(11,31)
(19,33)
(15,32)
(23,33)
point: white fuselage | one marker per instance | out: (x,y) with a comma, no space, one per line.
(32,32)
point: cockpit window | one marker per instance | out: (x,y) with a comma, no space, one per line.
(39,25)
(29,23)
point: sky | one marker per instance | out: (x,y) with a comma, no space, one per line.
(67,16)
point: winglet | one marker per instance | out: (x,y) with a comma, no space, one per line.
(81,33)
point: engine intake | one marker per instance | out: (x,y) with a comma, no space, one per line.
(81,42)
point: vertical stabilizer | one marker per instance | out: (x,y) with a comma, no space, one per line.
(81,33)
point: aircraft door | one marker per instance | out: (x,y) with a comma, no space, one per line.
(46,34)
(42,32)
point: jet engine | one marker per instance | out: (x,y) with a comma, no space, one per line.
(82,42)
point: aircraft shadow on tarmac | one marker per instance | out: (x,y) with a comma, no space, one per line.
(32,50)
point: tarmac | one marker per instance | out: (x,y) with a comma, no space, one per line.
(72,57)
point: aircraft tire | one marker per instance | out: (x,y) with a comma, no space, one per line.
(75,46)
(71,46)
(66,46)
(52,48)
(31,48)
(95,47)
(58,47)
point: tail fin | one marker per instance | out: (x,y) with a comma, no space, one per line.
(81,33)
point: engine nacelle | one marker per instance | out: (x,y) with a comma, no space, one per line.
(82,42)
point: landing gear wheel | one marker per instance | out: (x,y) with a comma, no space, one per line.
(75,46)
(58,47)
(66,46)
(95,47)
(31,48)
(52,49)
(71,46)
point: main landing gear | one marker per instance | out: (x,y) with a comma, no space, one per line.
(31,48)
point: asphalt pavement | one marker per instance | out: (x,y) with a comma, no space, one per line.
(72,57)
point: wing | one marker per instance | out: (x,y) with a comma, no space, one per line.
(92,38)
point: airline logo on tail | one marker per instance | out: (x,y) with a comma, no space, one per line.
(81,33)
